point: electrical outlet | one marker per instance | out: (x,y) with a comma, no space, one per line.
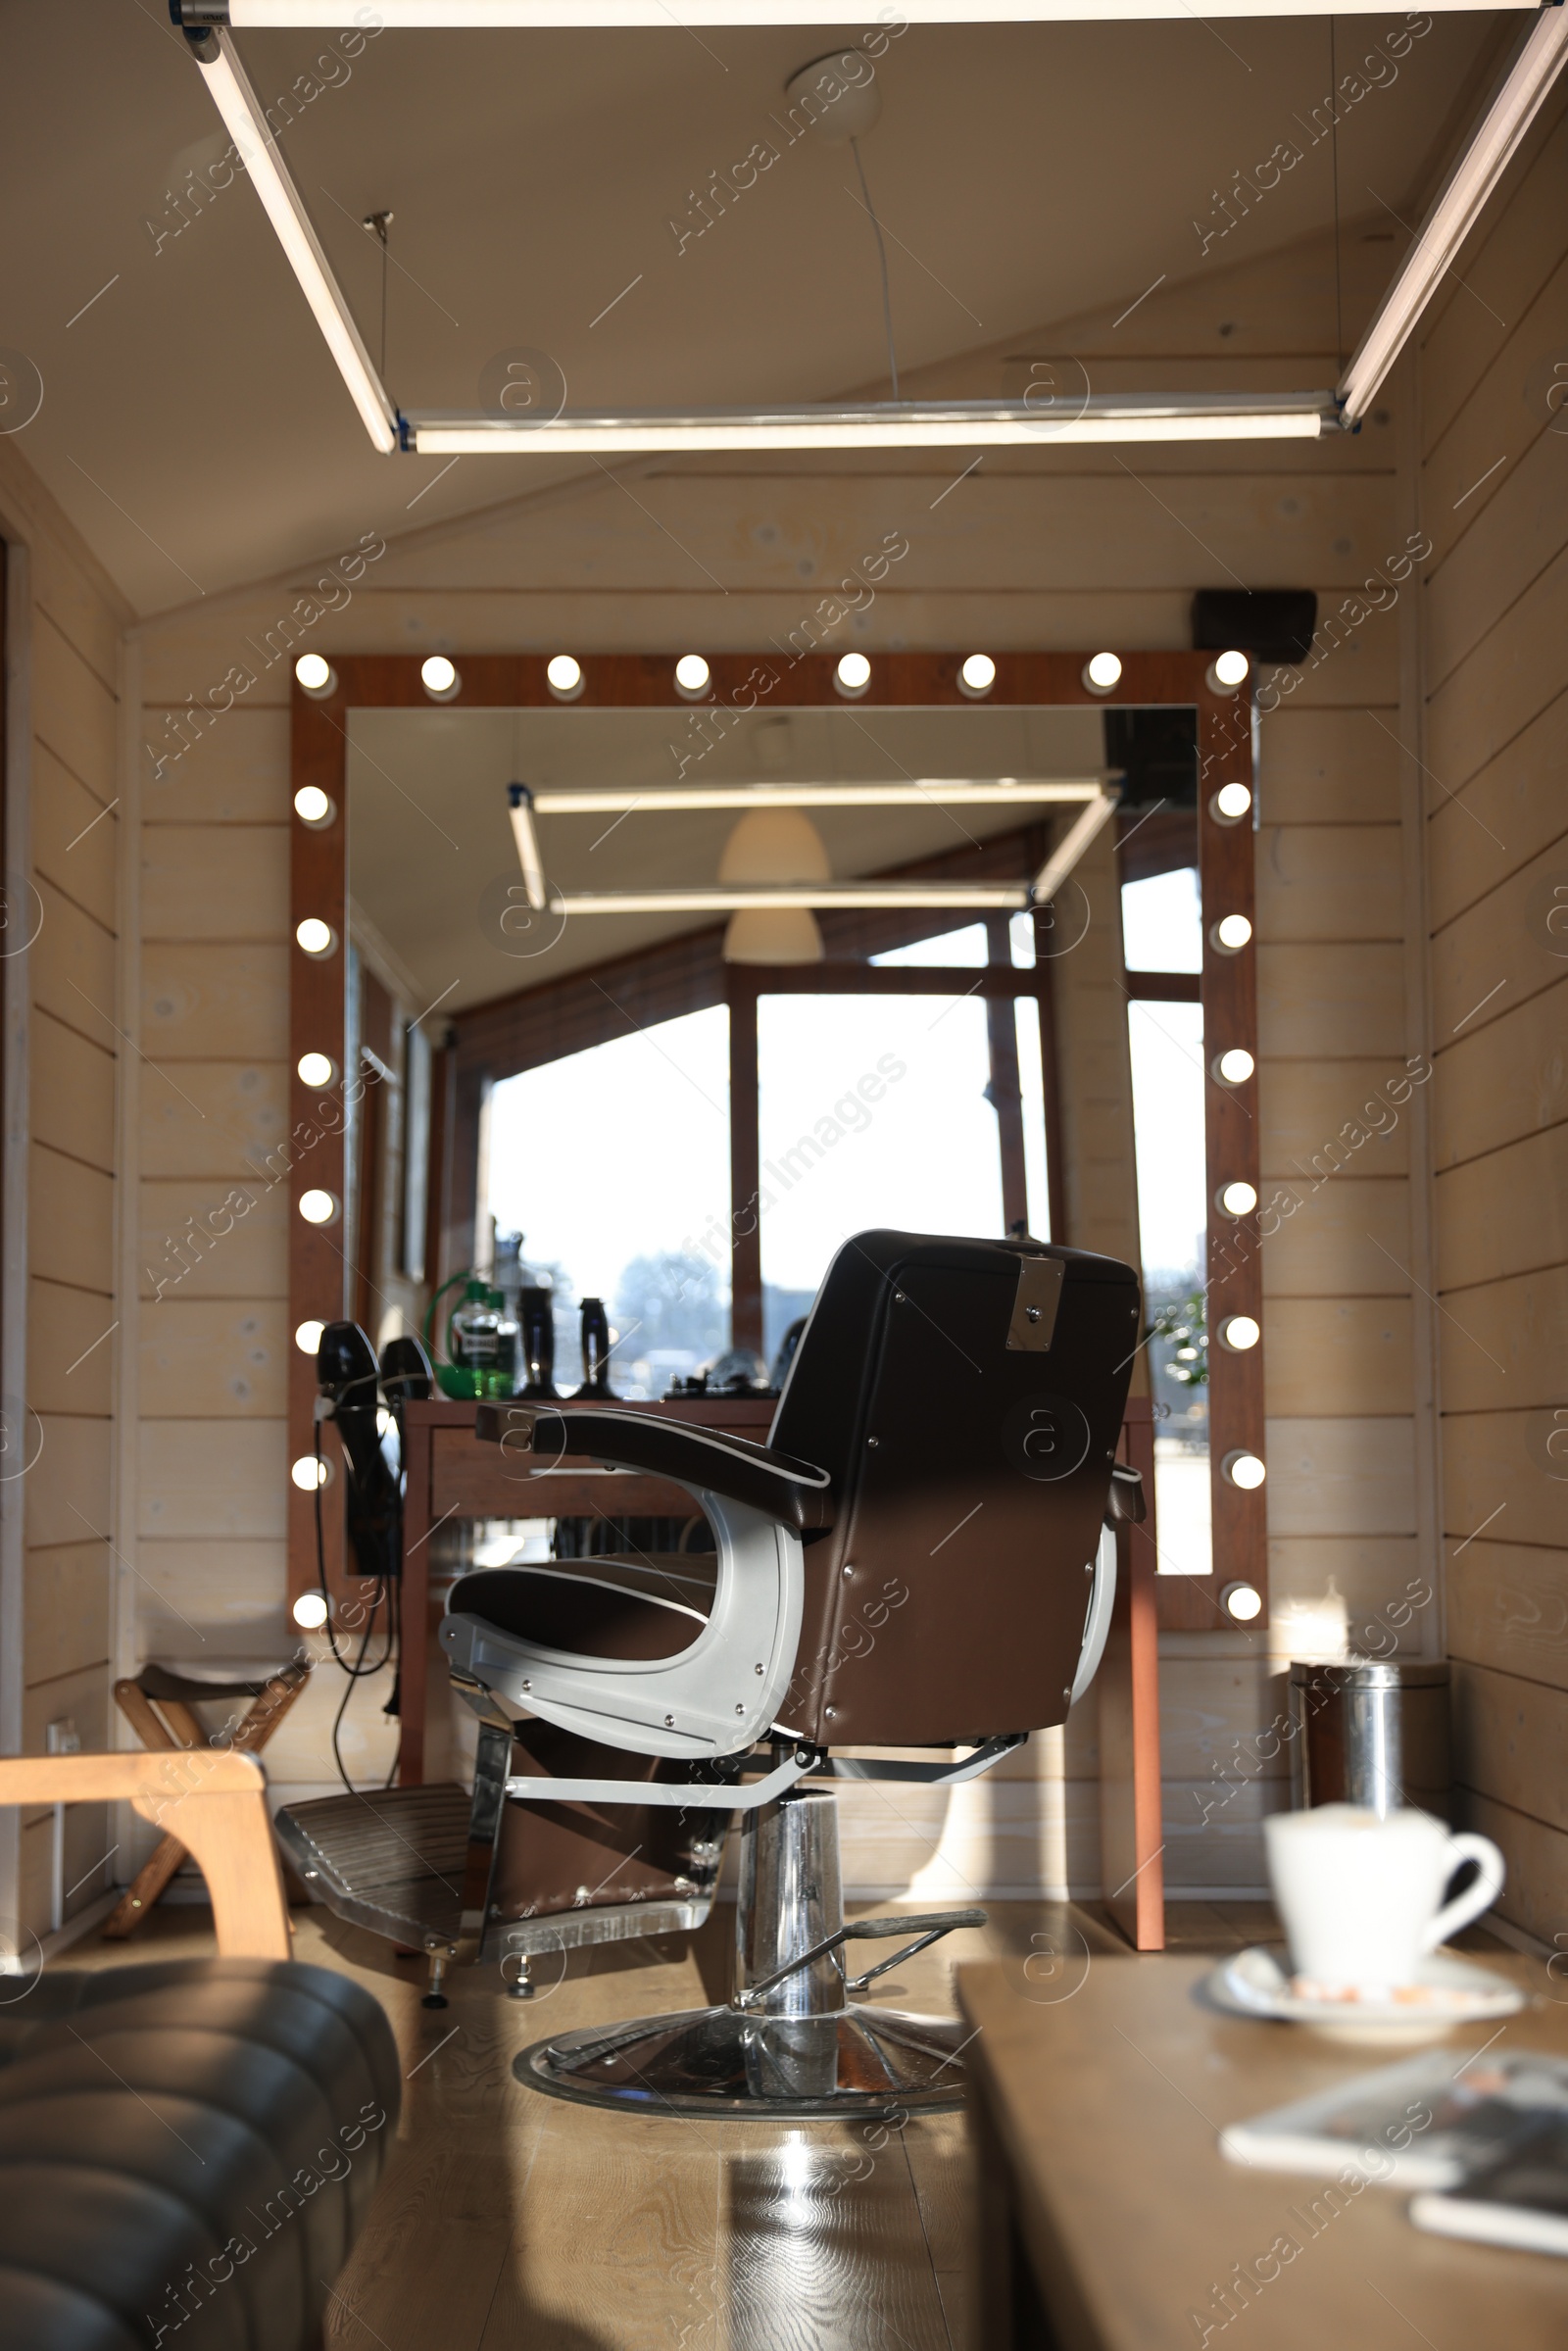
(62,1737)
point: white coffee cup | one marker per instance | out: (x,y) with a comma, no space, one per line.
(1360,1894)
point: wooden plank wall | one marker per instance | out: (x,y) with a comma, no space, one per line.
(1494,401)
(64,1043)
(1036,548)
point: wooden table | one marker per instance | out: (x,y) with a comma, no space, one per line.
(1108,2217)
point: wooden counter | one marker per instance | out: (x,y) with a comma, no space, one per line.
(1106,2217)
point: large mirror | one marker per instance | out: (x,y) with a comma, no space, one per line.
(592,1080)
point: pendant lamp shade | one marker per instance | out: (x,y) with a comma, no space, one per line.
(774,845)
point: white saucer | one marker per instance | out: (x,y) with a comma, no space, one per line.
(1445,1992)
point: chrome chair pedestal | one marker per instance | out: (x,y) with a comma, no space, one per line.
(788,2044)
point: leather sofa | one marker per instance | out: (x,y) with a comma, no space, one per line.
(189,2148)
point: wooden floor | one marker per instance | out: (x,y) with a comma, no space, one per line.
(511,2222)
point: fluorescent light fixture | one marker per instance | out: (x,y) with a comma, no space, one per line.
(1065,855)
(520,802)
(1514,106)
(1104,417)
(621,14)
(937,791)
(731,897)
(247,127)
(736,898)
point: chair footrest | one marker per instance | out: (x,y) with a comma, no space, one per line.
(392,1860)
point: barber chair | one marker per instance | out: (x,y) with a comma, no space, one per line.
(918,1558)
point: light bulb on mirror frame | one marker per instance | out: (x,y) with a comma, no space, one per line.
(439,677)
(1238,1199)
(308,1337)
(1242,1603)
(1235,1066)
(310,1612)
(315,1070)
(1102,672)
(1230,803)
(314,807)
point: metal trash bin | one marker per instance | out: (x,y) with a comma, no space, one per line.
(1370,1732)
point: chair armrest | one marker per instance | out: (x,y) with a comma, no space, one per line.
(794,1493)
(211,1799)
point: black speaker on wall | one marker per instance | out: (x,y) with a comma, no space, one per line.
(1272,624)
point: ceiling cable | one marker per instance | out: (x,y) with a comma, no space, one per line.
(1334,154)
(882,257)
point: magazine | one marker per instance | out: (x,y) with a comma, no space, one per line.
(1429,2121)
(1521,2199)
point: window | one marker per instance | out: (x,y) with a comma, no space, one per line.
(1162,931)
(613,1165)
(872,1110)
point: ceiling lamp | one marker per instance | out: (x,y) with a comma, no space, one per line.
(728,898)
(772,845)
(920,791)
(317,16)
(1102,416)
(257,149)
(775,868)
(1515,103)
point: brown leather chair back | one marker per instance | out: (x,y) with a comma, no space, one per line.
(968,1397)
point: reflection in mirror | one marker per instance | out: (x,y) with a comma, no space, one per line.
(606,1144)
(1162,932)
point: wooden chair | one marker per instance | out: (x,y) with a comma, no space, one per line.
(214,1803)
(157,1702)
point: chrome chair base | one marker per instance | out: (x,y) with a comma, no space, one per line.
(875,2064)
(788,2044)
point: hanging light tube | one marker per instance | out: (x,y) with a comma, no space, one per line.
(1072,847)
(1452,215)
(521,803)
(1100,417)
(735,897)
(936,790)
(247,127)
(1104,417)
(707,15)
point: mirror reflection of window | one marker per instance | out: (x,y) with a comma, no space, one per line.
(1162,931)
(873,1110)
(614,1164)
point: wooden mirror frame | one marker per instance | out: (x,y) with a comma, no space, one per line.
(742,683)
